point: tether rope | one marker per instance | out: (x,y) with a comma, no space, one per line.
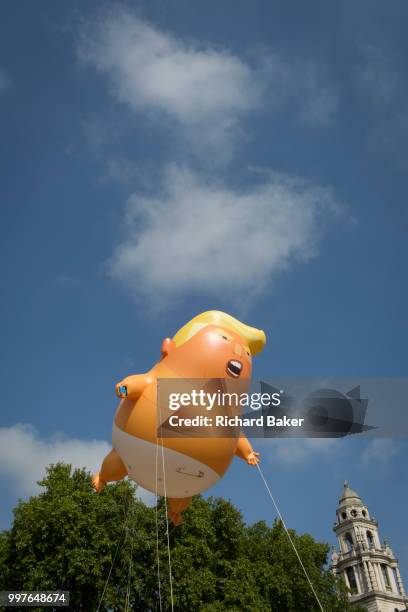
(157,528)
(289,536)
(114,559)
(167,521)
(127,603)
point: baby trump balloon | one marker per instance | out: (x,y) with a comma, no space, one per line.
(213,345)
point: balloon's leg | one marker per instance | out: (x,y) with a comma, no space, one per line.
(112,469)
(175,506)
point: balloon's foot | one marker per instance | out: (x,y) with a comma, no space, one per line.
(97,483)
(175,518)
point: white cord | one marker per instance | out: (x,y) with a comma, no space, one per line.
(167,519)
(157,529)
(113,562)
(127,604)
(289,536)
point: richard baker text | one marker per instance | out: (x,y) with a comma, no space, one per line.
(234,421)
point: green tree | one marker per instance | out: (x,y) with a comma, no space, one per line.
(70,538)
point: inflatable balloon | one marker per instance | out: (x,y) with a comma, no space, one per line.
(213,345)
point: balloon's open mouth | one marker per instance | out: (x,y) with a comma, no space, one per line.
(234,368)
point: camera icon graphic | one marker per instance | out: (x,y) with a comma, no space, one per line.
(326,413)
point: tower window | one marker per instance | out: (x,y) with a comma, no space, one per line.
(370,539)
(364,513)
(351,577)
(353,513)
(394,571)
(343,515)
(363,577)
(349,542)
(385,576)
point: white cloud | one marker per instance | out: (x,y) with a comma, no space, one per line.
(301,84)
(319,98)
(193,235)
(377,77)
(205,90)
(4,80)
(381,85)
(379,452)
(389,135)
(293,452)
(146,496)
(24,455)
(198,86)
(199,236)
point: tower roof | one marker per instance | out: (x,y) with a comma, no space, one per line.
(349,497)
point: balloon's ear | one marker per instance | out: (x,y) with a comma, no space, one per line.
(167,346)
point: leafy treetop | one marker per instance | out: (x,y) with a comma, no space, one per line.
(67,536)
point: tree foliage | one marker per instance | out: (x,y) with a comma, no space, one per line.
(67,538)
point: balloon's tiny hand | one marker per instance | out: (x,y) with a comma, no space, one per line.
(121,390)
(253,458)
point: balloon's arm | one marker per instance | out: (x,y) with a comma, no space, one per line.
(132,387)
(246,452)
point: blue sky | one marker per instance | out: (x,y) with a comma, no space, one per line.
(163,158)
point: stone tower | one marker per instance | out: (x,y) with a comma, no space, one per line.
(368,567)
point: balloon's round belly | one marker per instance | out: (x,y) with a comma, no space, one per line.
(182,476)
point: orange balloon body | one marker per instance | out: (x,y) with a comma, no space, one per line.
(191,465)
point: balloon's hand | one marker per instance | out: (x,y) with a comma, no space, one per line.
(133,386)
(253,458)
(121,390)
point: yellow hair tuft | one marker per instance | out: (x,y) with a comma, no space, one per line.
(255,338)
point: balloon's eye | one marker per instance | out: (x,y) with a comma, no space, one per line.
(249,354)
(222,335)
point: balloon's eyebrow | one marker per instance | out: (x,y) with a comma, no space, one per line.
(222,332)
